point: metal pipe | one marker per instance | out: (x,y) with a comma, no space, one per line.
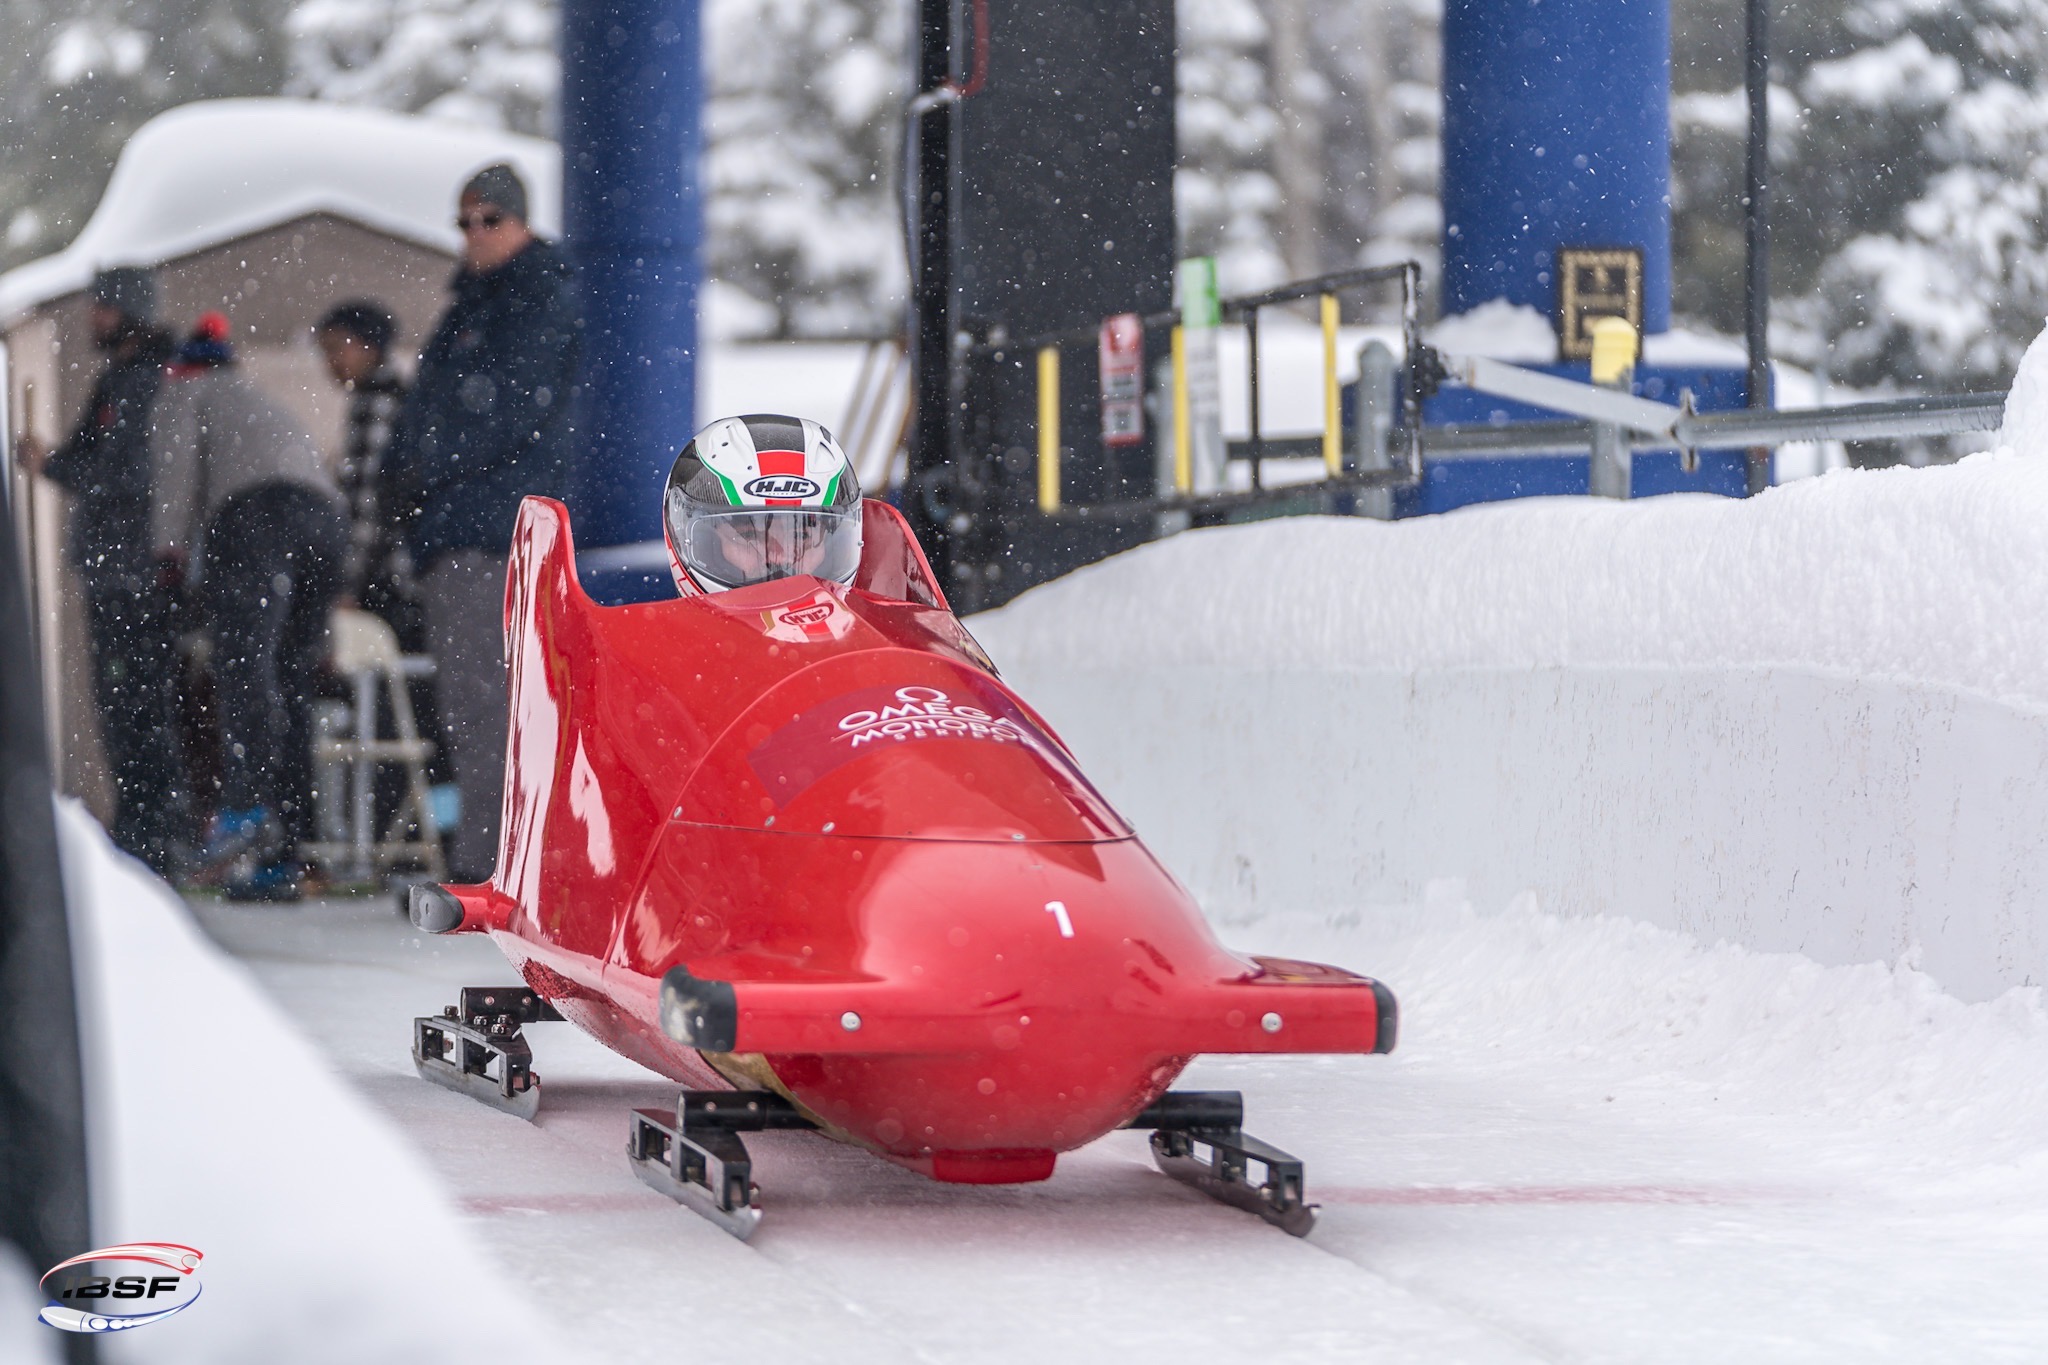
(1563,395)
(1756,229)
(1941,415)
(1409,273)
(363,778)
(1251,341)
(1419,359)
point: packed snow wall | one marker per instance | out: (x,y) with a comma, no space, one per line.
(1814,721)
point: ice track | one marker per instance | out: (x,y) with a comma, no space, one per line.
(1598,1142)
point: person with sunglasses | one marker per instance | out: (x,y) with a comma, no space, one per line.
(485,424)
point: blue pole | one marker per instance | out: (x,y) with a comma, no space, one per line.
(1557,132)
(633,218)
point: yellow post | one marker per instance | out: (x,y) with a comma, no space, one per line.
(1049,429)
(1333,426)
(1183,439)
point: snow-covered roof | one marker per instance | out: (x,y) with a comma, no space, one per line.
(206,173)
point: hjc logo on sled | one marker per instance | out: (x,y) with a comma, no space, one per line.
(781,486)
(116,1288)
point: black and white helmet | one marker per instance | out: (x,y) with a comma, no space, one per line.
(761,497)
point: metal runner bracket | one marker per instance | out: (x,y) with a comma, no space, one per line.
(1198,1138)
(696,1158)
(476,1047)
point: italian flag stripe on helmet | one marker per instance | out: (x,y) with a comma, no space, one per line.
(732,493)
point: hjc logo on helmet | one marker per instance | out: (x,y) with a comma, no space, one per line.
(781,486)
(89,1293)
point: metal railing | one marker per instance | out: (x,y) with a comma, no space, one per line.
(1888,419)
(1337,454)
(1643,424)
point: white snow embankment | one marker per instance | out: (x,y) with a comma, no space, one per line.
(1815,721)
(216,1125)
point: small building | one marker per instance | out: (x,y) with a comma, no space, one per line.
(270,211)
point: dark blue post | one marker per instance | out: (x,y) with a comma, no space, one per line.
(633,217)
(1557,132)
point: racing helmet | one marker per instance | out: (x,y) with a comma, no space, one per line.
(761,497)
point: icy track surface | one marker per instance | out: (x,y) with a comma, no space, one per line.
(1598,1141)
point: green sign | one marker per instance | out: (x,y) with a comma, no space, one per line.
(1199,306)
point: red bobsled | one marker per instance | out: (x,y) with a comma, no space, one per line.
(797,847)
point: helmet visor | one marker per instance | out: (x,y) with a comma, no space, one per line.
(733,547)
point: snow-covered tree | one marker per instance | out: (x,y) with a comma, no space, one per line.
(804,141)
(489,62)
(802,130)
(1226,199)
(1950,286)
(88,73)
(1382,151)
(1308,135)
(1909,147)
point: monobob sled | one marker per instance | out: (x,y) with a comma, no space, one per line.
(797,847)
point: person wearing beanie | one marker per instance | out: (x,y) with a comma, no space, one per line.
(105,466)
(247,516)
(487,423)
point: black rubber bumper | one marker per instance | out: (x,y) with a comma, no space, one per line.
(1390,1018)
(699,1013)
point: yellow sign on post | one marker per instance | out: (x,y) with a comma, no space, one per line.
(1614,350)
(1049,429)
(1592,283)
(1333,430)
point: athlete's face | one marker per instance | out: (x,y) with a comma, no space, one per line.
(787,545)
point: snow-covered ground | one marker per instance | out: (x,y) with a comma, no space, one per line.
(1598,1141)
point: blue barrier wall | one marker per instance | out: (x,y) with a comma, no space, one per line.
(1556,133)
(633,218)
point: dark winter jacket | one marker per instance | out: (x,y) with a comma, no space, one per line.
(215,434)
(487,420)
(380,506)
(106,466)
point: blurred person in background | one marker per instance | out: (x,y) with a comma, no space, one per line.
(486,423)
(355,342)
(249,519)
(105,466)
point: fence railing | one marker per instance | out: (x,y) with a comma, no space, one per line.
(1338,454)
(1413,377)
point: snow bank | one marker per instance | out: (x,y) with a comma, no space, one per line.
(174,190)
(1816,721)
(216,1125)
(1876,1051)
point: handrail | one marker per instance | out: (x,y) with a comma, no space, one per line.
(1421,364)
